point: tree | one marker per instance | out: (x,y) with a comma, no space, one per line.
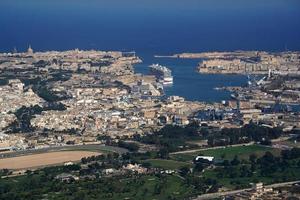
(268,164)
(183,171)
(298,163)
(226,163)
(198,167)
(268,158)
(235,160)
(223,156)
(244,170)
(214,188)
(253,158)
(115,155)
(253,167)
(295,153)
(233,173)
(266,142)
(146,164)
(163,153)
(157,189)
(84,160)
(80,195)
(129,145)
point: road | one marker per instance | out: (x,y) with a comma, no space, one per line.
(209,148)
(221,147)
(221,194)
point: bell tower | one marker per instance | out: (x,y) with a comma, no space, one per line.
(29,50)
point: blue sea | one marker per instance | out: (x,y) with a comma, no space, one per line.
(155,27)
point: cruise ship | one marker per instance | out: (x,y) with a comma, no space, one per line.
(162,73)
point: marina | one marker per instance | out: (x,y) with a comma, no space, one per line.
(188,83)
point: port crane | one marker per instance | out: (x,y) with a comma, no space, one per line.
(253,82)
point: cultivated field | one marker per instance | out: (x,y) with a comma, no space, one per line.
(44,159)
(167,164)
(242,152)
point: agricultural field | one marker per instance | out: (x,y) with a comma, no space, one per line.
(87,147)
(167,164)
(242,152)
(289,174)
(153,187)
(146,187)
(44,159)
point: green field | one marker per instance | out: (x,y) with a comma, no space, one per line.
(242,152)
(166,164)
(92,148)
(146,187)
(290,174)
(153,187)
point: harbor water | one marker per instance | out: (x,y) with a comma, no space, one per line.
(155,27)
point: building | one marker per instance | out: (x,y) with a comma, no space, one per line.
(208,158)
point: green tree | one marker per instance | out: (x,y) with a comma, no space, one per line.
(235,160)
(253,158)
(183,171)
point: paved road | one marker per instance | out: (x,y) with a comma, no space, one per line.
(221,147)
(88,147)
(221,194)
(209,148)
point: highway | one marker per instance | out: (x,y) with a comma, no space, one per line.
(209,148)
(223,147)
(222,194)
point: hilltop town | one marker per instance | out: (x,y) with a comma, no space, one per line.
(245,62)
(94,121)
(76,96)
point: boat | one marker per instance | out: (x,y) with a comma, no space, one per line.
(162,74)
